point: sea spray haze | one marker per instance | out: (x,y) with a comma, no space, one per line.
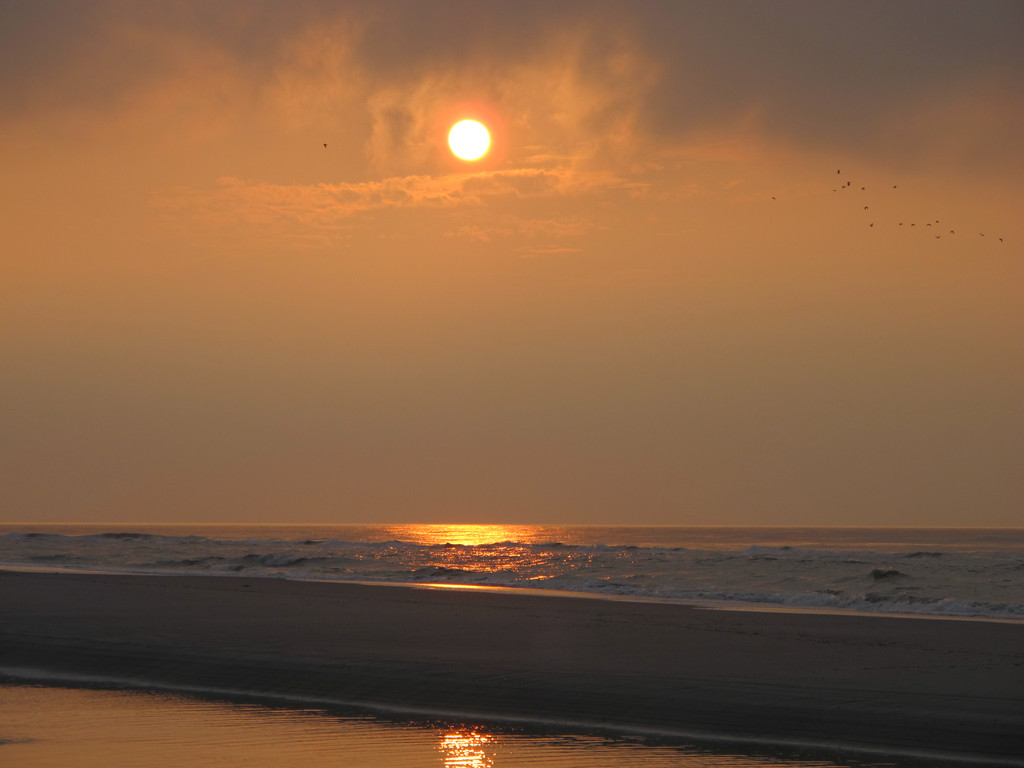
(976,573)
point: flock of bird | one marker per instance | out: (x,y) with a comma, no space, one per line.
(934,225)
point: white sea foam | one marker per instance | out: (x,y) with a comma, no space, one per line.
(927,572)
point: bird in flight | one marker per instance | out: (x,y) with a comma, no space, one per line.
(325,146)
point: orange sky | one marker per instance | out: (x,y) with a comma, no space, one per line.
(653,301)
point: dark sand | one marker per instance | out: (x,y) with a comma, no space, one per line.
(891,683)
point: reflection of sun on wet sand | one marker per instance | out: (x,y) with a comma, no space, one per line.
(465,749)
(899,684)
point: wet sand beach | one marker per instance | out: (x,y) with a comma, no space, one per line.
(895,684)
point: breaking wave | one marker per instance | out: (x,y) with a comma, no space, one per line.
(925,580)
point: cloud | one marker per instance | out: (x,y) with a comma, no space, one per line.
(823,69)
(550,250)
(321,214)
(556,102)
(585,81)
(981,119)
(828,75)
(583,97)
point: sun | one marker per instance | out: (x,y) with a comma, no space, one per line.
(469,140)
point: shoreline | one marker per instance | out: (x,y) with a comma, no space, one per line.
(697,604)
(912,686)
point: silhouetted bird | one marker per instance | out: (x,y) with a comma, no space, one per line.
(325,146)
(871,224)
(865,207)
(862,189)
(894,186)
(839,171)
(952,232)
(1000,239)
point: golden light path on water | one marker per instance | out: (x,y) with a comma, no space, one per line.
(464,547)
(469,535)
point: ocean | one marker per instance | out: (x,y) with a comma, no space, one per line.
(940,572)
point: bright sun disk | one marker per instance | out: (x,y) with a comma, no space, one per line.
(469,140)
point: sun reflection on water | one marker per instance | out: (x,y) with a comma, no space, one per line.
(468,535)
(456,552)
(465,749)
(479,554)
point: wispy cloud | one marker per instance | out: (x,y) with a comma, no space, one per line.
(320,213)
